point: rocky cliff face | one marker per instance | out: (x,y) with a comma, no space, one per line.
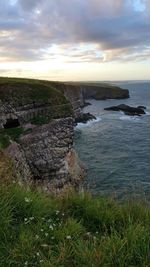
(103,92)
(46,156)
(36,130)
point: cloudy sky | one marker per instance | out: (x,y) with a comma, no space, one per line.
(75,39)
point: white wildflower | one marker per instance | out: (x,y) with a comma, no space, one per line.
(27,199)
(68,237)
(38,254)
(51,227)
(42,230)
(46,234)
(88,233)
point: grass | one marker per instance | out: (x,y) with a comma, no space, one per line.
(21,92)
(9,134)
(73,229)
(25,91)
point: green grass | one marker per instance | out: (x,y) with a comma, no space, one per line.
(71,230)
(9,134)
(21,92)
(25,91)
(40,120)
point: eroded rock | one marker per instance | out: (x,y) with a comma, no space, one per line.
(131,111)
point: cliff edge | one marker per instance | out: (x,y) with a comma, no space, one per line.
(36,131)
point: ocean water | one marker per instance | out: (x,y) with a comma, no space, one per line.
(115,149)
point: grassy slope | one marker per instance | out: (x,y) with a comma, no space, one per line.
(70,230)
(24,91)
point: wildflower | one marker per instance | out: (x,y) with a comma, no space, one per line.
(63,214)
(25,219)
(27,199)
(38,254)
(68,237)
(37,236)
(52,237)
(51,227)
(42,230)
(97,233)
(26,263)
(41,261)
(46,234)
(88,233)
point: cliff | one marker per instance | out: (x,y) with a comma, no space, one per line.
(36,131)
(37,127)
(102,91)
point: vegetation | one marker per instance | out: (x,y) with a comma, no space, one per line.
(73,229)
(25,91)
(9,134)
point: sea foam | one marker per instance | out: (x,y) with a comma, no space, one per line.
(89,123)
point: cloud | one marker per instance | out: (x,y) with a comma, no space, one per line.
(115,29)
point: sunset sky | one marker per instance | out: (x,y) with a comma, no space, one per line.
(75,39)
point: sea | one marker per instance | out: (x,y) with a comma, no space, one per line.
(115,148)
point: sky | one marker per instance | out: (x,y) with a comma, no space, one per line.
(73,40)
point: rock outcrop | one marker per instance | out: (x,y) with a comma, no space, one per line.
(131,111)
(46,156)
(85,117)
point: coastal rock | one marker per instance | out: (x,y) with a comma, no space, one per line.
(131,111)
(142,107)
(85,117)
(46,156)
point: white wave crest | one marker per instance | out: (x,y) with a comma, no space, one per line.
(87,124)
(130,118)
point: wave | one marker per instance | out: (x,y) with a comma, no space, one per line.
(130,118)
(89,123)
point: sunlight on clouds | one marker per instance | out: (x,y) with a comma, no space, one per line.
(77,39)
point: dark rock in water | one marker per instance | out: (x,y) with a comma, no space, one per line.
(84,118)
(142,107)
(131,111)
(86,104)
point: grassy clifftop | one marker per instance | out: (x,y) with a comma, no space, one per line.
(24,91)
(73,229)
